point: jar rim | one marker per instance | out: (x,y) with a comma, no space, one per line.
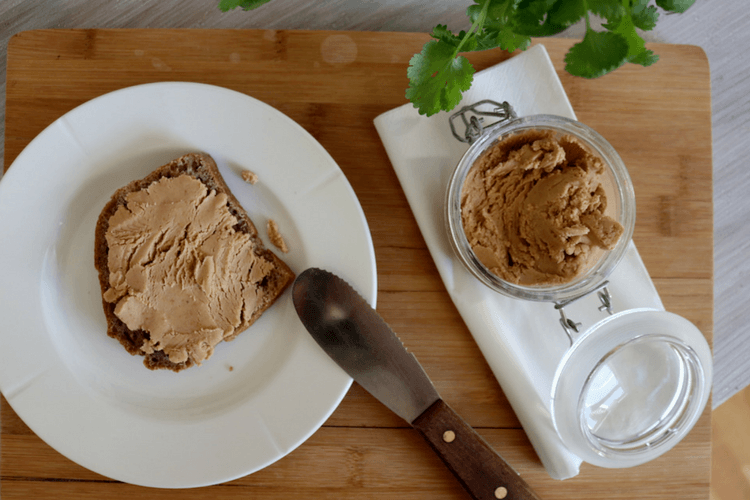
(625,204)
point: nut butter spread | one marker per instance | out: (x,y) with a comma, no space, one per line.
(179,270)
(533,208)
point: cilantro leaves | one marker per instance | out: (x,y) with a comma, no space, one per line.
(679,6)
(596,55)
(438,75)
(227,5)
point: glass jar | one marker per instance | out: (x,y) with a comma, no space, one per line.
(617,186)
(631,385)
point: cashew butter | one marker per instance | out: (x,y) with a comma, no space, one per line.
(533,208)
(179,270)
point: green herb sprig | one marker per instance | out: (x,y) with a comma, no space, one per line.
(439,75)
(227,5)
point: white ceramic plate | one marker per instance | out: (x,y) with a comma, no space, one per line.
(258,397)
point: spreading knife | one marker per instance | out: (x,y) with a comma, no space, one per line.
(357,338)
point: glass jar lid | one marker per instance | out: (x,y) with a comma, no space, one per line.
(631,387)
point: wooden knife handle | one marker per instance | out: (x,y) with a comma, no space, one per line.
(481,471)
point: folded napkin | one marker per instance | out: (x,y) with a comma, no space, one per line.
(522,341)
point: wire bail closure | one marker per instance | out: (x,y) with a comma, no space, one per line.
(571,326)
(473,118)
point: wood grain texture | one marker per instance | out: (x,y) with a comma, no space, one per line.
(658,118)
(730,479)
(481,471)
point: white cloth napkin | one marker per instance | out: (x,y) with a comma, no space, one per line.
(522,341)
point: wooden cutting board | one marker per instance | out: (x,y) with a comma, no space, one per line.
(334,84)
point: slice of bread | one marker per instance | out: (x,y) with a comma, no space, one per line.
(203,168)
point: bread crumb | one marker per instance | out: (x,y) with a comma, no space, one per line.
(249,176)
(231,368)
(275,236)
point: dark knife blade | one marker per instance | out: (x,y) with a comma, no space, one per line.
(357,338)
(361,343)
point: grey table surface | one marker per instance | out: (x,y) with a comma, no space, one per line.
(720,27)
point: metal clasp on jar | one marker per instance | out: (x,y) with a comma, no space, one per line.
(571,326)
(473,118)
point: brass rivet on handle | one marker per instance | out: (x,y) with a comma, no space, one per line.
(501,492)
(449,436)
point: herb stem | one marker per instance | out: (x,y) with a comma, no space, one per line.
(588,23)
(476,26)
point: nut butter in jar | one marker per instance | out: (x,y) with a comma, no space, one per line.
(542,208)
(612,191)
